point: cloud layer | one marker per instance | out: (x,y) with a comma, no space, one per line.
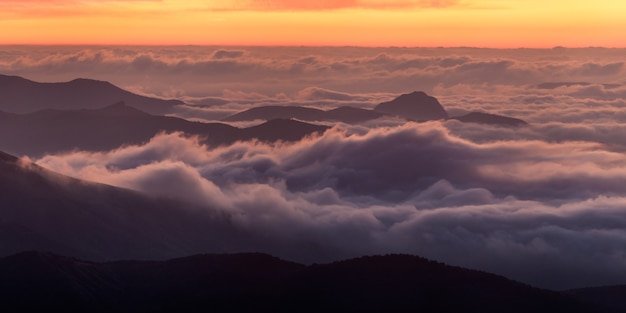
(305,5)
(503,79)
(530,210)
(543,204)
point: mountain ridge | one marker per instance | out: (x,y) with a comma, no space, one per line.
(21,95)
(415,106)
(219,281)
(103,129)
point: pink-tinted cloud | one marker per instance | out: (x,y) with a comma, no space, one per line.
(499,206)
(306,5)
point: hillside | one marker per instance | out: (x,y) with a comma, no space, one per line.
(54,131)
(20,95)
(259,282)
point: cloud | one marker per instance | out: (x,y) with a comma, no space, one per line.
(306,5)
(535,203)
(202,72)
(529,209)
(314,93)
(227,54)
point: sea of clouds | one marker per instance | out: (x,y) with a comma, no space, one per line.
(544,203)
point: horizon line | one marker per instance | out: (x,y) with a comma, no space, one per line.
(303,46)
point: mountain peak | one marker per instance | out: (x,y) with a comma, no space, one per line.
(416,105)
(21,95)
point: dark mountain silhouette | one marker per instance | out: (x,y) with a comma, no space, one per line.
(416,106)
(280,129)
(486,118)
(610,297)
(47,211)
(33,281)
(274,111)
(353,115)
(348,115)
(52,131)
(20,95)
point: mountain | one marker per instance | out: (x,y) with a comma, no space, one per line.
(486,118)
(610,297)
(348,115)
(416,106)
(42,210)
(53,131)
(280,129)
(351,115)
(35,281)
(273,112)
(20,95)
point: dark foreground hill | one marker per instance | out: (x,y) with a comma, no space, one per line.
(35,281)
(53,131)
(20,95)
(612,297)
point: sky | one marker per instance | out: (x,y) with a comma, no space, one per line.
(414,23)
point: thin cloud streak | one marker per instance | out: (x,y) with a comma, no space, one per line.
(322,5)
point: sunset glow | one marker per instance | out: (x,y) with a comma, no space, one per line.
(483,23)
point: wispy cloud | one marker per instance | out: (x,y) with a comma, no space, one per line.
(288,5)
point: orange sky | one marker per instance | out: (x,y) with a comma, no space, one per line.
(483,23)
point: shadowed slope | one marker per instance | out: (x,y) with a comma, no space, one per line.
(46,211)
(246,282)
(53,131)
(20,95)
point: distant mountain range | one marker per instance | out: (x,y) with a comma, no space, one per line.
(348,115)
(415,106)
(20,95)
(53,131)
(35,281)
